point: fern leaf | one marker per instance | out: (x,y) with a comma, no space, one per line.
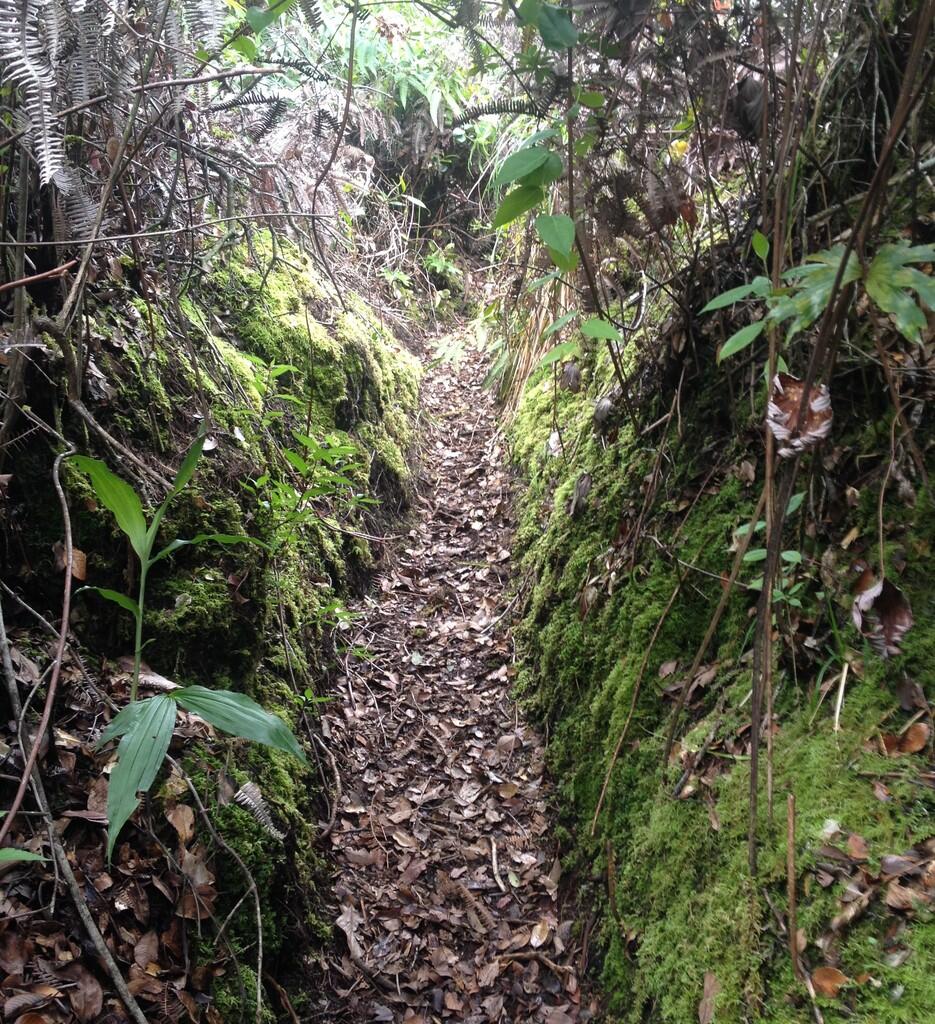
(250,798)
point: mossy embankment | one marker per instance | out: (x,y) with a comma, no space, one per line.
(624,546)
(308,403)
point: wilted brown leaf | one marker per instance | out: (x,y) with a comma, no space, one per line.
(857,846)
(86,995)
(829,981)
(915,738)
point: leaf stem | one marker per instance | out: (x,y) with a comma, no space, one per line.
(138,643)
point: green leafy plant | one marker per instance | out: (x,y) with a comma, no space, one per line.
(10,855)
(888,281)
(144,727)
(441,262)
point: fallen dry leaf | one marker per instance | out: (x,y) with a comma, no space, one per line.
(915,738)
(829,981)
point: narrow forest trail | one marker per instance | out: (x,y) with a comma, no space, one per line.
(446,877)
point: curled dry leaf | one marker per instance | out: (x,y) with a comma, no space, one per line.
(915,738)
(782,415)
(881,612)
(829,981)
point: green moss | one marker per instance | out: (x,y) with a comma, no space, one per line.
(671,875)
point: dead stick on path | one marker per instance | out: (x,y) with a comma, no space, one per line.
(792,926)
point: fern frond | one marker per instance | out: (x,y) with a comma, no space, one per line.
(325,123)
(513,106)
(250,798)
(312,13)
(76,204)
(268,120)
(25,64)
(205,20)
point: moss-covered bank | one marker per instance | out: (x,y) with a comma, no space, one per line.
(308,404)
(676,904)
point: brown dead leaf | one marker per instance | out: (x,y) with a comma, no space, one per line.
(857,846)
(540,934)
(182,818)
(829,981)
(902,897)
(706,1006)
(86,996)
(915,738)
(79,561)
(146,951)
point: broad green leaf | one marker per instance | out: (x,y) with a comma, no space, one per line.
(741,339)
(760,245)
(564,262)
(114,595)
(795,503)
(258,19)
(9,855)
(557,231)
(793,557)
(238,715)
(529,11)
(548,172)
(599,328)
(539,136)
(732,295)
(558,324)
(517,203)
(140,754)
(120,498)
(888,283)
(244,45)
(122,722)
(520,163)
(565,350)
(591,99)
(202,538)
(540,282)
(556,28)
(756,555)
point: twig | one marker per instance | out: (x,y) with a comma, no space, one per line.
(44,276)
(792,928)
(495,866)
(338,790)
(712,625)
(7,823)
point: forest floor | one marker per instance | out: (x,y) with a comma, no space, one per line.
(447,884)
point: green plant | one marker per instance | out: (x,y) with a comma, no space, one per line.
(887,281)
(144,727)
(440,262)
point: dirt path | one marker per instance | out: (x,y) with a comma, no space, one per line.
(447,877)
